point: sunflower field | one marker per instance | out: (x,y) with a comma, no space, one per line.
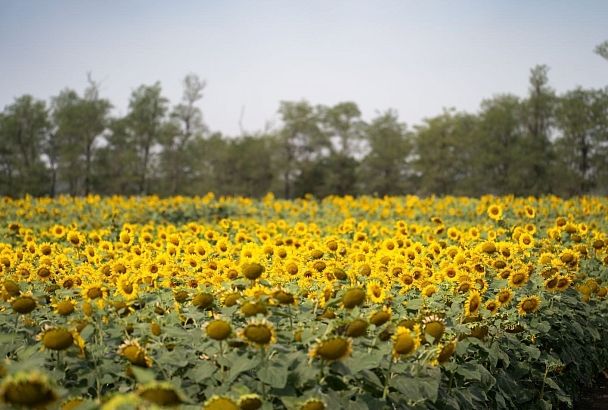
(345,303)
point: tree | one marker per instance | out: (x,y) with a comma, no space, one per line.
(24,130)
(146,123)
(602,50)
(498,146)
(538,116)
(79,122)
(187,121)
(300,141)
(445,154)
(386,169)
(343,127)
(582,121)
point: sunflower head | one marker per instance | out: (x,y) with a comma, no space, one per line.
(23,304)
(252,270)
(56,338)
(64,307)
(357,328)
(259,333)
(528,305)
(11,287)
(434,326)
(71,403)
(353,297)
(27,389)
(161,394)
(135,353)
(203,300)
(313,404)
(332,349)
(472,304)
(231,299)
(283,297)
(495,212)
(220,403)
(218,329)
(250,401)
(406,341)
(445,352)
(252,308)
(380,317)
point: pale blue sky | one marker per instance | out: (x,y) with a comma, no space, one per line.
(414,56)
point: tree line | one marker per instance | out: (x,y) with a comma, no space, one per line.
(542,143)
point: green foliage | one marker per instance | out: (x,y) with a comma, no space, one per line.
(543,143)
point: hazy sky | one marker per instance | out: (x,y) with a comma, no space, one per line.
(414,56)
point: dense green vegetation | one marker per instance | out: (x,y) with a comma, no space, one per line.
(537,144)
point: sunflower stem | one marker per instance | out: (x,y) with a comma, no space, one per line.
(223,373)
(387,379)
(290,319)
(542,389)
(13,339)
(59,362)
(263,366)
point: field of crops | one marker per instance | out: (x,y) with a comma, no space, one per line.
(234,303)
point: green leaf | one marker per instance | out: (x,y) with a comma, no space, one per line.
(469,372)
(274,374)
(202,371)
(241,365)
(364,361)
(142,376)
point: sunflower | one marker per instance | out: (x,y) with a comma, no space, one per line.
(28,389)
(252,270)
(434,326)
(250,401)
(563,282)
(353,297)
(230,299)
(253,308)
(56,338)
(259,333)
(161,394)
(406,341)
(519,278)
(504,296)
(528,305)
(332,349)
(135,353)
(492,306)
(75,238)
(376,292)
(445,352)
(58,231)
(94,290)
(357,328)
(526,240)
(218,329)
(23,304)
(495,212)
(220,403)
(127,287)
(429,290)
(313,404)
(551,283)
(203,300)
(529,212)
(123,401)
(472,304)
(380,317)
(72,403)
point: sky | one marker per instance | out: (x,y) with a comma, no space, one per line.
(416,57)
